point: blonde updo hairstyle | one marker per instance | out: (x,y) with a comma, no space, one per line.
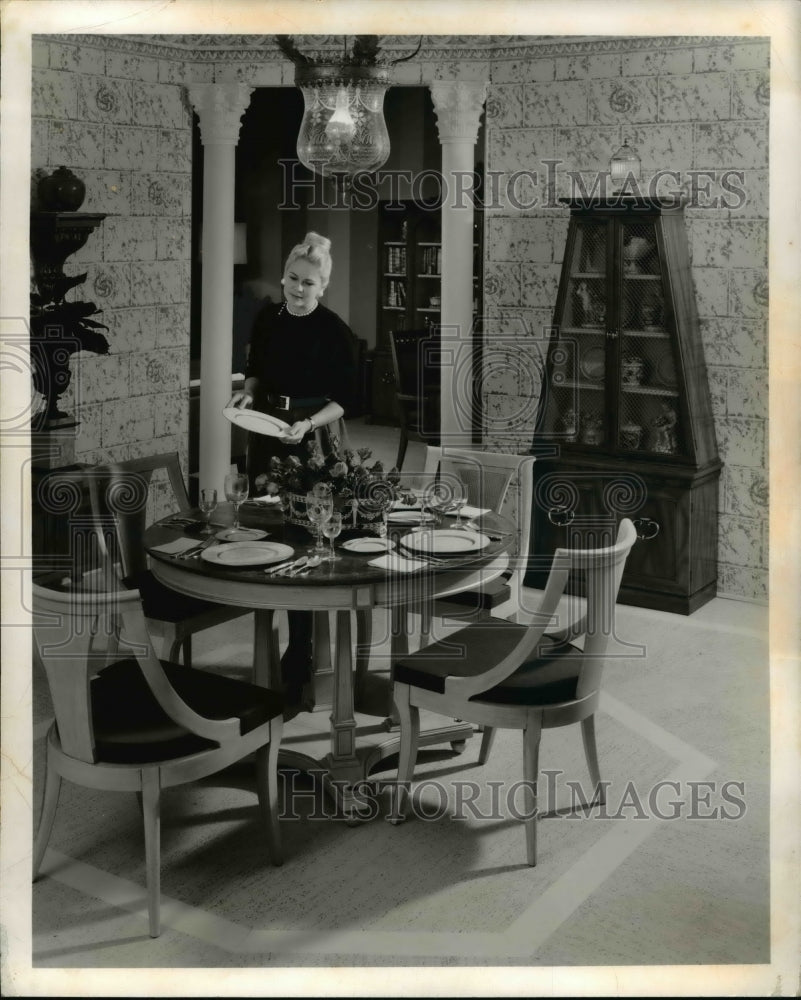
(317,250)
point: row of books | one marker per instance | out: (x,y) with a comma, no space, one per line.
(396,260)
(396,293)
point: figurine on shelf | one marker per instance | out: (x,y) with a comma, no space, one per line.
(583,304)
(664,425)
(568,425)
(592,429)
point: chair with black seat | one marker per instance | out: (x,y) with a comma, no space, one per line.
(119,493)
(509,675)
(488,477)
(417,388)
(127,721)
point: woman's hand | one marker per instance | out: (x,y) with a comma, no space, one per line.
(241,399)
(297,432)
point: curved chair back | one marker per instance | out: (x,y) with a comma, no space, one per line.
(119,492)
(603,570)
(489,476)
(77,633)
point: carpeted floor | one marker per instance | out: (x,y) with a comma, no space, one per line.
(655,880)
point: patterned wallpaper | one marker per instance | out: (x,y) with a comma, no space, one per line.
(688,107)
(121,123)
(114,110)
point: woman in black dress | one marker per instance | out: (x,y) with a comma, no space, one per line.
(300,369)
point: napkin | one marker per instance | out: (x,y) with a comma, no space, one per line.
(397,563)
(468,511)
(177,547)
(267,499)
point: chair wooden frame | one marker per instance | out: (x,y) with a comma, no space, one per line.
(118,496)
(413,394)
(67,626)
(514,645)
(479,469)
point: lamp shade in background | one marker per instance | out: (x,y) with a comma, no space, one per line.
(343,131)
(624,167)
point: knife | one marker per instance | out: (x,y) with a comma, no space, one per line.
(197,548)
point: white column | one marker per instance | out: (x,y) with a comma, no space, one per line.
(220,107)
(458,105)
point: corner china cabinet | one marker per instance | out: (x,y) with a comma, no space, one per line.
(625,427)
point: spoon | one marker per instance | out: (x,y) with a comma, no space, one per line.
(298,564)
(308,563)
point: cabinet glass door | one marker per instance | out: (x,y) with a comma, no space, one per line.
(648,415)
(576,409)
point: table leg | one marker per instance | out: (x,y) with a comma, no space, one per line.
(266,659)
(345,769)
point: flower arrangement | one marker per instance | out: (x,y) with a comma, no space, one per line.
(357,485)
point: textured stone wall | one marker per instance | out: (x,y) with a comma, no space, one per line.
(684,106)
(120,122)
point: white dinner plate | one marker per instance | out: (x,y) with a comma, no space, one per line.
(445,541)
(367,545)
(240,534)
(255,420)
(409,517)
(247,553)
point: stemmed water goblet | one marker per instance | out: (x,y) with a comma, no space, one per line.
(458,500)
(319,509)
(237,487)
(332,527)
(208,504)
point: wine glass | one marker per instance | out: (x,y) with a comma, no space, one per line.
(208,503)
(458,500)
(237,487)
(332,527)
(319,509)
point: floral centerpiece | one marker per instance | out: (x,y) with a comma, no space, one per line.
(363,491)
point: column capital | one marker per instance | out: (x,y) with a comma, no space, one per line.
(458,105)
(220,107)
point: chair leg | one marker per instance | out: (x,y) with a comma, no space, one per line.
(151,802)
(171,647)
(409,733)
(186,646)
(591,753)
(487,739)
(531,752)
(49,803)
(267,788)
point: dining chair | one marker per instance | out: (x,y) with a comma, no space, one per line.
(127,721)
(488,477)
(513,675)
(119,496)
(417,391)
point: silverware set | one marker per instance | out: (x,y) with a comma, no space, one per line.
(196,549)
(294,567)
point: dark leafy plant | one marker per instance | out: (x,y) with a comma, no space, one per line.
(59,330)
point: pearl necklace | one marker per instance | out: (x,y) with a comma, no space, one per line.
(285,306)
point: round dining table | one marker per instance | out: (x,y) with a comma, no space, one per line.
(360,729)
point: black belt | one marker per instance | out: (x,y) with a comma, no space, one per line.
(294,402)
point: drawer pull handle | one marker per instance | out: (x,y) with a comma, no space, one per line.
(560,516)
(646,528)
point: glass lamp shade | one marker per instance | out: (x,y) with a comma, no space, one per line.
(343,131)
(624,167)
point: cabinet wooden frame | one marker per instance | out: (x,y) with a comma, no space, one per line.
(626,399)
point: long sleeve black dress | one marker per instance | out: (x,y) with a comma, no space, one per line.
(308,359)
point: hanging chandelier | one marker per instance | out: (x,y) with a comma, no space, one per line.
(343,131)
